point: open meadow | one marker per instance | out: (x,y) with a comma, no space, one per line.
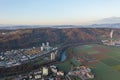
(107,65)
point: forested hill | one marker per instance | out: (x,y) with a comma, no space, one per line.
(23,38)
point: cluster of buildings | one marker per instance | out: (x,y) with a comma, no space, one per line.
(111,42)
(12,58)
(82,72)
(53,73)
(46,47)
(17,57)
(43,73)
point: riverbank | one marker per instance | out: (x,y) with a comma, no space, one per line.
(70,61)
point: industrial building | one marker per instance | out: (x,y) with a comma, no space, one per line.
(110,41)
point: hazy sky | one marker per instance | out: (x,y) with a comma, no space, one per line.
(57,11)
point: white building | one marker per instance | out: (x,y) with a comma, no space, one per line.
(45,71)
(52,56)
(45,47)
(47,44)
(42,48)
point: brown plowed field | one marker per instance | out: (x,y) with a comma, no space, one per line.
(100,49)
(100,56)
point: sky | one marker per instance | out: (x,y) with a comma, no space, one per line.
(50,12)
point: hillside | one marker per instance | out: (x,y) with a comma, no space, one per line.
(23,38)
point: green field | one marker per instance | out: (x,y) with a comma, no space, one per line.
(105,72)
(117,57)
(107,68)
(111,61)
(116,67)
(66,65)
(114,51)
(86,49)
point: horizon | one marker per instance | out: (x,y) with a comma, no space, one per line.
(64,12)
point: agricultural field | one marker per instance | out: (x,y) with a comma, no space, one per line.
(107,66)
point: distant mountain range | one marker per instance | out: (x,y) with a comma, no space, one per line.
(113,22)
(13,27)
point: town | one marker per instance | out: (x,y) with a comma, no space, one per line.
(17,57)
(53,73)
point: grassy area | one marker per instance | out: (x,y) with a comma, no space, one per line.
(86,49)
(117,57)
(39,61)
(74,62)
(108,68)
(105,72)
(114,51)
(71,61)
(78,79)
(111,62)
(64,66)
(116,67)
